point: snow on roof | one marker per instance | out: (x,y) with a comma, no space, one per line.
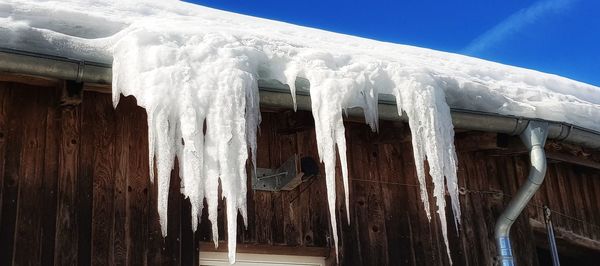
(188,64)
(88,29)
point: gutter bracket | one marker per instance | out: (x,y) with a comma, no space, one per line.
(534,137)
(520,125)
(565,132)
(80,70)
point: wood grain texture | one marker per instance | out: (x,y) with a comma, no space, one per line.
(14,142)
(74,189)
(98,134)
(67,222)
(30,175)
(121,218)
(50,179)
(137,181)
(171,252)
(4,122)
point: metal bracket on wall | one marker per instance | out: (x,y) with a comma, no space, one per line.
(287,177)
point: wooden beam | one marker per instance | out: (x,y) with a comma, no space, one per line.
(566,236)
(572,159)
(267,249)
(555,151)
(100,88)
(28,79)
(476,141)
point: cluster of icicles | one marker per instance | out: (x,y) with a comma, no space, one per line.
(201,95)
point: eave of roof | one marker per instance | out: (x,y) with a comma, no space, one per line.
(276,94)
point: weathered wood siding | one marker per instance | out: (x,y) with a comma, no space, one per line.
(74,189)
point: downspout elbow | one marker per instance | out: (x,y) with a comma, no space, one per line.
(537,171)
(534,138)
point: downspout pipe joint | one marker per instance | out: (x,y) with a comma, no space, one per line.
(534,137)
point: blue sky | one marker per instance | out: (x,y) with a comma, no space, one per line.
(555,36)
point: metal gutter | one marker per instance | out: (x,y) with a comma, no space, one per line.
(14,61)
(275,94)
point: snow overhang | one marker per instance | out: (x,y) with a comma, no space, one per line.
(275,94)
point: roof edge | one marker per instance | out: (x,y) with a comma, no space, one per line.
(276,94)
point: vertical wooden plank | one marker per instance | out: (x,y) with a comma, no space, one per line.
(418,219)
(172,251)
(489,174)
(276,156)
(431,232)
(371,220)
(484,221)
(262,199)
(67,222)
(590,207)
(550,185)
(315,220)
(85,183)
(467,234)
(576,195)
(394,205)
(120,235)
(13,149)
(29,170)
(155,239)
(4,103)
(137,190)
(290,223)
(289,148)
(50,179)
(350,250)
(473,223)
(99,117)
(594,181)
(492,201)
(98,136)
(560,195)
(377,226)
(429,228)
(301,201)
(221,217)
(248,235)
(187,236)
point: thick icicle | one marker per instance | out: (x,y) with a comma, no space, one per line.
(186,82)
(194,69)
(332,91)
(201,94)
(328,126)
(424,103)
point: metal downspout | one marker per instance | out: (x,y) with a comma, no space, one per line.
(534,137)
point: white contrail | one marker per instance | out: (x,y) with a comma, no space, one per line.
(516,22)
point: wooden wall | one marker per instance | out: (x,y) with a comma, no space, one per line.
(74,189)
